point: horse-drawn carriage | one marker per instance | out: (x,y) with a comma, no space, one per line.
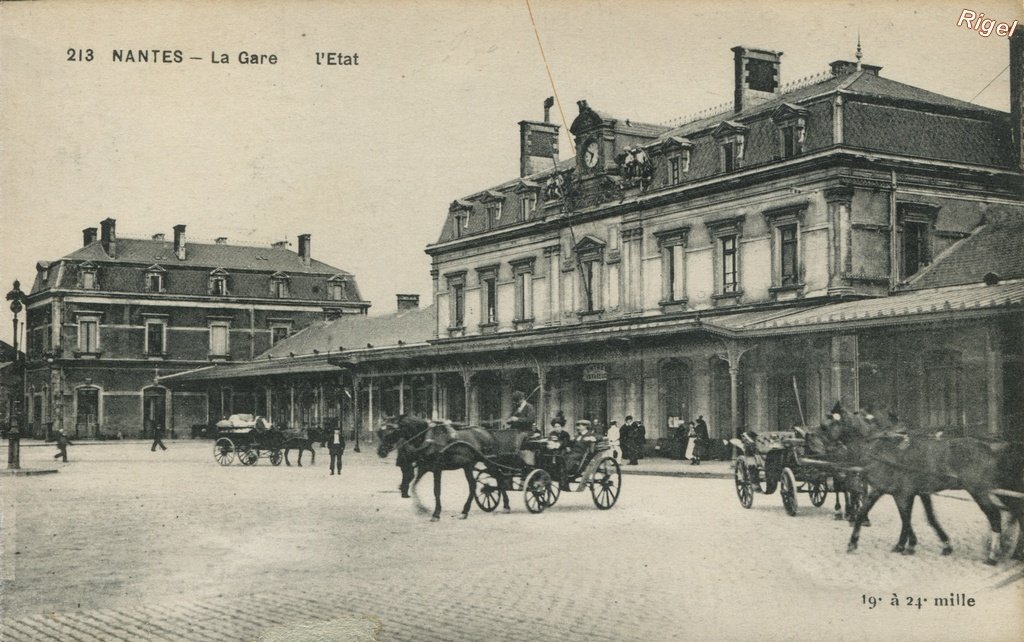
(248,437)
(768,461)
(542,468)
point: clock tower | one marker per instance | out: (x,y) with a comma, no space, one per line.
(595,141)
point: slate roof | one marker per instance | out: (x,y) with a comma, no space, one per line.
(209,255)
(357,331)
(996,247)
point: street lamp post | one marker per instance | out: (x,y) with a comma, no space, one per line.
(17,299)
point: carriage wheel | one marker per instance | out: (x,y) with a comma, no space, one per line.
(554,492)
(536,489)
(788,491)
(276,457)
(818,490)
(224,451)
(744,490)
(605,483)
(485,489)
(248,456)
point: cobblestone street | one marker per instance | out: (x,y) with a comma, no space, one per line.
(128,544)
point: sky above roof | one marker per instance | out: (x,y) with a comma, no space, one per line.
(367,158)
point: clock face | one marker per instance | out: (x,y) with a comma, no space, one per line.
(590,155)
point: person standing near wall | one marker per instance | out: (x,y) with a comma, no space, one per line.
(613,439)
(335,444)
(700,430)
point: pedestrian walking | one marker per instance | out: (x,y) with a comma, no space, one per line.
(614,436)
(632,435)
(335,444)
(158,438)
(701,437)
(62,445)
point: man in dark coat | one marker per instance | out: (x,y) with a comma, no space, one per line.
(62,445)
(335,443)
(628,435)
(701,436)
(524,415)
(158,438)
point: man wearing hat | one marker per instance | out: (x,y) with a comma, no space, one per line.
(524,415)
(581,445)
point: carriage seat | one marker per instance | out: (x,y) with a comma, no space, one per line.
(508,442)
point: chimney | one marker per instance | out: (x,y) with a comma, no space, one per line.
(1017,96)
(408,302)
(279,245)
(757,76)
(538,143)
(304,249)
(159,236)
(89,236)
(179,242)
(221,240)
(108,236)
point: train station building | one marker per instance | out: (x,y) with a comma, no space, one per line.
(848,237)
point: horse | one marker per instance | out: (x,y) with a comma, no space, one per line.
(297,441)
(826,443)
(430,447)
(908,466)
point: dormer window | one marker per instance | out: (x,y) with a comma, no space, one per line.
(791,121)
(528,192)
(460,211)
(279,285)
(731,137)
(493,201)
(677,151)
(218,284)
(154,279)
(87,273)
(337,289)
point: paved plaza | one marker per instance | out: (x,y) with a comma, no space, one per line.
(126,544)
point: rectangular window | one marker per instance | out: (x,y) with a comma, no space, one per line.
(493,215)
(915,247)
(88,280)
(587,276)
(790,142)
(490,294)
(458,305)
(524,296)
(280,287)
(279,333)
(219,339)
(218,286)
(674,169)
(460,225)
(730,277)
(154,282)
(155,332)
(337,291)
(89,335)
(728,157)
(789,266)
(529,206)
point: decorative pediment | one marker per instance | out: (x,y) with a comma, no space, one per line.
(280,276)
(523,186)
(725,226)
(788,111)
(491,196)
(587,120)
(219,272)
(729,128)
(337,278)
(87,265)
(673,143)
(156,268)
(589,242)
(460,205)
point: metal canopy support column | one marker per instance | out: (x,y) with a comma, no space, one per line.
(434,415)
(401,395)
(467,383)
(733,354)
(541,398)
(358,415)
(291,406)
(369,402)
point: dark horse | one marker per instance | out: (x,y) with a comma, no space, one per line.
(429,447)
(908,466)
(294,440)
